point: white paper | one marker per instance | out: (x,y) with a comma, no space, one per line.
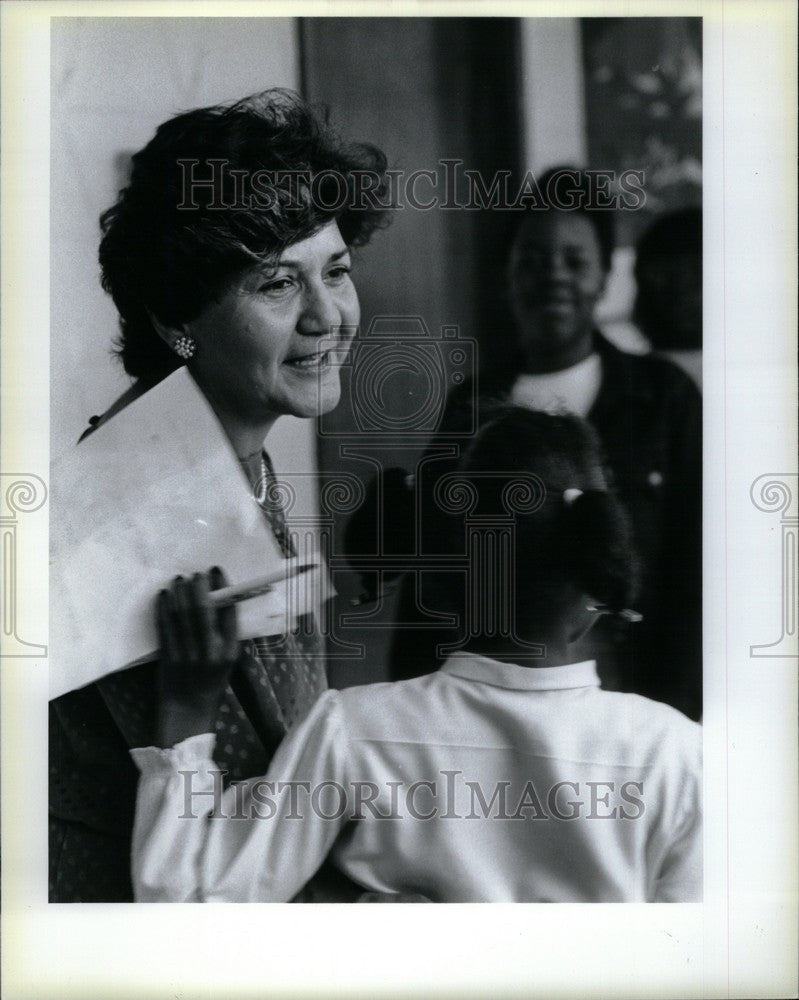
(155,492)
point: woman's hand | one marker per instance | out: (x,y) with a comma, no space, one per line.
(199,648)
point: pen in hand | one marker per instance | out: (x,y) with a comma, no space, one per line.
(255,588)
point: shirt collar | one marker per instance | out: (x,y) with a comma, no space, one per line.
(591,361)
(474,667)
(620,373)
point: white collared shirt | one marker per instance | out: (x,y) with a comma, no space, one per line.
(573,389)
(486,781)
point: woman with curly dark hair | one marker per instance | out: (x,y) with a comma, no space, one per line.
(228,252)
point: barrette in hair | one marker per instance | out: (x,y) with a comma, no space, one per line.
(570,495)
(626,614)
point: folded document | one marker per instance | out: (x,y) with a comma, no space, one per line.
(155,492)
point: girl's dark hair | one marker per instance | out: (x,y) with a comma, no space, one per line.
(585,543)
(218,190)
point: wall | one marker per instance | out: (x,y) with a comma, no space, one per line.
(555,133)
(422,89)
(113,81)
(551,90)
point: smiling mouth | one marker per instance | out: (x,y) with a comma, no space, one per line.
(310,362)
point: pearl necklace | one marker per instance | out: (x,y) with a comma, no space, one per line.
(263,483)
(260,487)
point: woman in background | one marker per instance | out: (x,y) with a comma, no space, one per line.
(647,414)
(668,275)
(237,271)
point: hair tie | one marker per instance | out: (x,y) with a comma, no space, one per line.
(570,495)
(625,614)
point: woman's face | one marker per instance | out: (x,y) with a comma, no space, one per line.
(556,277)
(260,351)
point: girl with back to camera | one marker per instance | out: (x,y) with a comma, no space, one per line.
(646,411)
(502,777)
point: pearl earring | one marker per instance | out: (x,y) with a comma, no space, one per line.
(185,347)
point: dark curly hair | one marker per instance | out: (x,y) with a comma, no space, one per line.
(586,543)
(173,241)
(570,186)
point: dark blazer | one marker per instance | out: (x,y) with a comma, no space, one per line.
(93,780)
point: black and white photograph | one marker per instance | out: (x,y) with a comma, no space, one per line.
(387,518)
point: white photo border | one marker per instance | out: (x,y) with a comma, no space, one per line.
(741,940)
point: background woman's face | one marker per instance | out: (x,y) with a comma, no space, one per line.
(259,345)
(556,278)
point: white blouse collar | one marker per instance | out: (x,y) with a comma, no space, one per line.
(472,666)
